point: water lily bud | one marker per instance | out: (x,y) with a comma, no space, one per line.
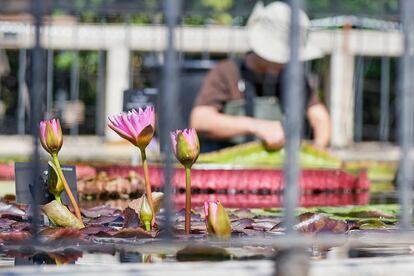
(186,146)
(217,220)
(136,126)
(146,214)
(51,136)
(54,182)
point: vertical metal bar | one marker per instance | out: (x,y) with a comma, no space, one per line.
(21,106)
(406,121)
(36,94)
(359,98)
(293,124)
(128,34)
(49,82)
(181,54)
(169,101)
(384,99)
(74,80)
(205,55)
(74,85)
(100,95)
(100,118)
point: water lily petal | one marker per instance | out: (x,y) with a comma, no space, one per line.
(138,127)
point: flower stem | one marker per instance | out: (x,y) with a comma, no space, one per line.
(147,225)
(57,198)
(187,200)
(147,184)
(67,189)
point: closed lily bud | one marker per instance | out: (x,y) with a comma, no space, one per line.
(136,126)
(54,182)
(217,220)
(186,146)
(51,136)
(145,214)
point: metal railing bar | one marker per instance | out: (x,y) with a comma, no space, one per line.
(293,91)
(405,176)
(359,98)
(100,95)
(74,79)
(49,82)
(21,106)
(169,102)
(385,99)
(36,100)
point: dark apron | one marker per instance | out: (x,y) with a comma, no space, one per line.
(265,107)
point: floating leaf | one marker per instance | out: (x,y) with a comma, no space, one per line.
(14,235)
(371,224)
(313,223)
(106,220)
(9,210)
(96,230)
(131,219)
(132,233)
(53,234)
(137,203)
(102,210)
(241,224)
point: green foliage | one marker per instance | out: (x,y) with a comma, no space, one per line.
(218,5)
(255,154)
(386,213)
(63,60)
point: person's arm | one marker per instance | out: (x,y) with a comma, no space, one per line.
(321,124)
(208,120)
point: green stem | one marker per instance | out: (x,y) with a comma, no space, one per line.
(147,225)
(67,188)
(187,200)
(147,184)
(57,198)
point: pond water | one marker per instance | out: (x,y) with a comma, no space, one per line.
(112,251)
(171,253)
(264,200)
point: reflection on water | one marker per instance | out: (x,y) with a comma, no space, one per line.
(275,200)
(46,258)
(79,258)
(130,257)
(339,251)
(252,200)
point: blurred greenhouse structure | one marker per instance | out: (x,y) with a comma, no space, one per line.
(95,50)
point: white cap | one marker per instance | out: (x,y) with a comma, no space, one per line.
(268,33)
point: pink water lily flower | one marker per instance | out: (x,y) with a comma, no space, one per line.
(136,126)
(186,146)
(217,220)
(51,136)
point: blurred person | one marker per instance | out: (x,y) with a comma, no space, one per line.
(239,98)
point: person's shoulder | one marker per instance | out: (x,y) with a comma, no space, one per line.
(226,65)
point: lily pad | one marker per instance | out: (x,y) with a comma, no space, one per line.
(371,224)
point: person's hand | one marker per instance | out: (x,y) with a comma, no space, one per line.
(271,132)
